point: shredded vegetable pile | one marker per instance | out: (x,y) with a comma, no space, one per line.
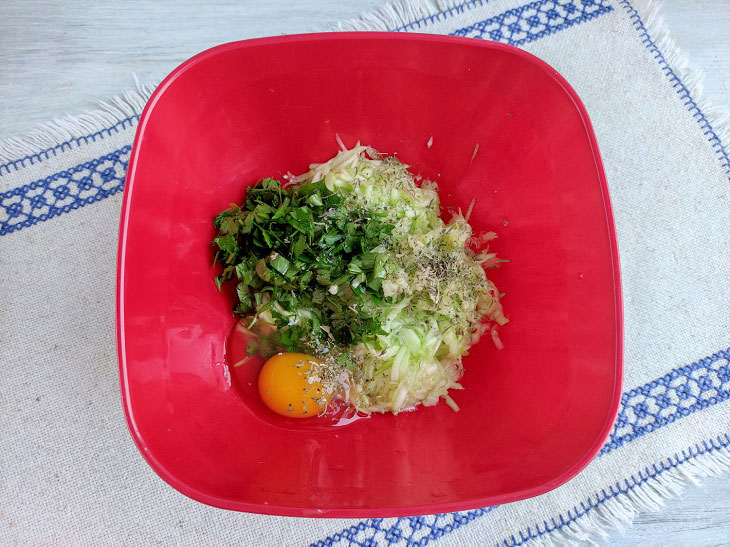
(352,263)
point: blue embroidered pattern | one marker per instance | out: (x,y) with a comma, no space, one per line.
(62,192)
(412,530)
(677,394)
(647,408)
(535,20)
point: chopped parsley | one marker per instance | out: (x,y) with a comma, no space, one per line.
(298,253)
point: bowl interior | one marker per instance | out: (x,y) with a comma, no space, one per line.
(532,415)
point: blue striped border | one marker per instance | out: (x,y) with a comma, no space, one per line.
(64,191)
(680,87)
(525,24)
(53,151)
(647,408)
(677,394)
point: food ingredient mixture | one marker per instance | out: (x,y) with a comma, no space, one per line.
(352,266)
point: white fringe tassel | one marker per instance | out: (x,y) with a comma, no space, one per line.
(718,116)
(396,14)
(67,128)
(619,512)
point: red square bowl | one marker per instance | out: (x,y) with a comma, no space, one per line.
(532,415)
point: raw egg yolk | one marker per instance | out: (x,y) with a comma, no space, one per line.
(285,388)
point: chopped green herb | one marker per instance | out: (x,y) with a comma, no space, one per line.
(298,241)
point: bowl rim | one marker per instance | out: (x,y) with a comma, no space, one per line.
(363,512)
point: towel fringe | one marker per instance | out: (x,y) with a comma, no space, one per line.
(64,131)
(717,115)
(397,14)
(619,512)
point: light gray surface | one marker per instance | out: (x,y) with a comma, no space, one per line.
(700,517)
(58,58)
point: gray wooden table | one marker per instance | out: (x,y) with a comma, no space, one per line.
(60,57)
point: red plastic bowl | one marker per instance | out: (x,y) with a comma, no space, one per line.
(532,415)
